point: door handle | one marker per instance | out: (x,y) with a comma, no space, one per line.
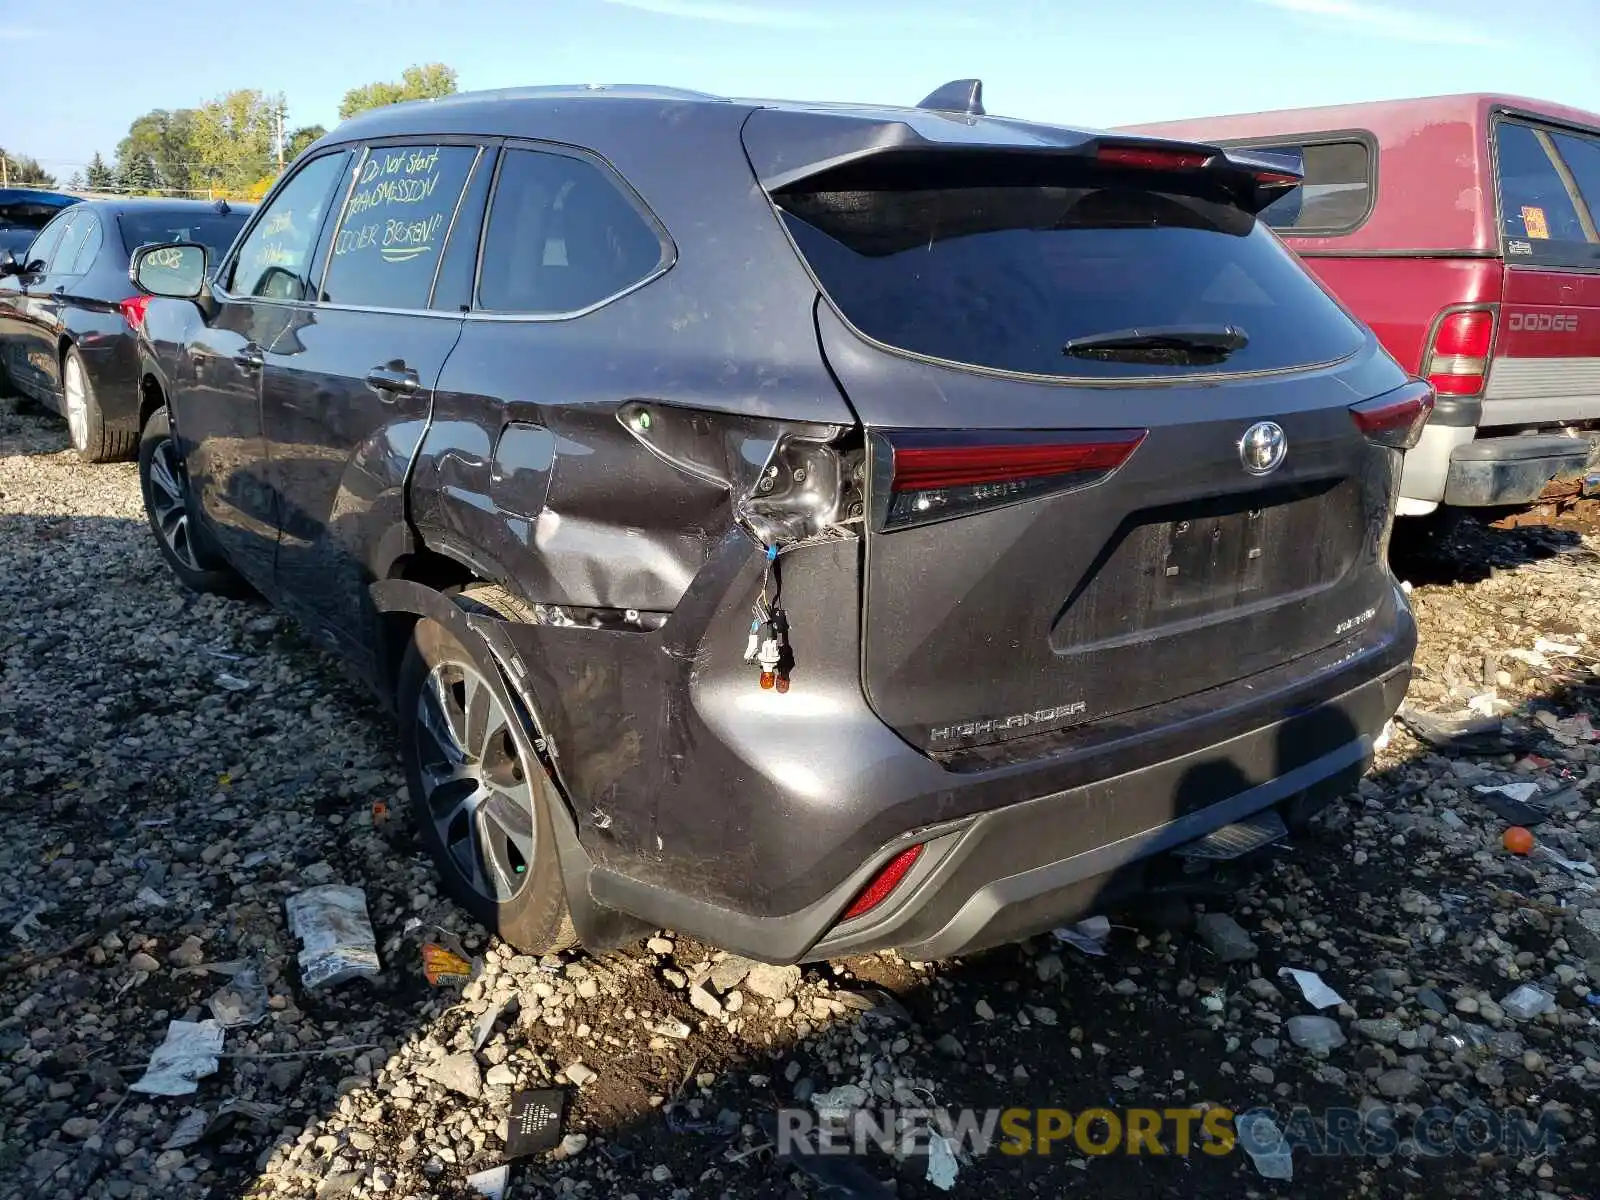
(251,357)
(394,378)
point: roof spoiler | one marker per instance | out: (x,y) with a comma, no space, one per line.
(963,96)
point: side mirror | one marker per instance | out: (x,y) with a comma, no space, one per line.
(176,270)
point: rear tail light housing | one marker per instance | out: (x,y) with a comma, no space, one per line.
(883,883)
(1395,419)
(1458,352)
(920,476)
(133,310)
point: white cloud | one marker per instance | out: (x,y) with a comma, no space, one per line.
(728,14)
(1379,20)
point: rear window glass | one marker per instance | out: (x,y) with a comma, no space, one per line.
(1337,193)
(1004,276)
(1537,215)
(27,214)
(213,230)
(1582,156)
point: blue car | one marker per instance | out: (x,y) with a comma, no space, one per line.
(25,211)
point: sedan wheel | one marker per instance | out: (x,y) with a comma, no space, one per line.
(164,485)
(76,389)
(169,509)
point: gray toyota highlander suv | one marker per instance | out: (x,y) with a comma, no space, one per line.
(811,527)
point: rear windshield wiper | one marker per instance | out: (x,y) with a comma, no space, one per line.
(1161,343)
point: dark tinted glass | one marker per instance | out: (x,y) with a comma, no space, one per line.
(25,214)
(1002,277)
(562,236)
(215,231)
(1337,193)
(44,246)
(1582,156)
(273,260)
(82,258)
(387,248)
(79,222)
(1534,205)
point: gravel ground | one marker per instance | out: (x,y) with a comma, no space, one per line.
(172,768)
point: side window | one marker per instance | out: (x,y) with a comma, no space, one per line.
(43,247)
(386,251)
(88,246)
(1337,194)
(562,236)
(273,260)
(1582,156)
(1538,218)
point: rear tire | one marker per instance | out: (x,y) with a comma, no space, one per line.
(480,798)
(164,485)
(91,437)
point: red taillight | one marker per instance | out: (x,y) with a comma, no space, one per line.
(884,882)
(1149,159)
(1277,179)
(1396,418)
(1458,357)
(133,310)
(945,473)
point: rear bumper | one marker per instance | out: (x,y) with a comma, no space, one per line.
(1060,848)
(1512,470)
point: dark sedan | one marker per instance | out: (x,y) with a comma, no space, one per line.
(69,315)
(25,211)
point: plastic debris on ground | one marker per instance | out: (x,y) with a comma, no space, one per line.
(338,942)
(1527,1002)
(188,1055)
(1454,733)
(1511,807)
(233,683)
(942,1165)
(188,1131)
(241,1001)
(1520,792)
(491,1184)
(841,1101)
(484,1029)
(1317,993)
(535,1123)
(1263,1142)
(150,898)
(1088,935)
(1561,860)
(444,959)
(28,923)
(1381,742)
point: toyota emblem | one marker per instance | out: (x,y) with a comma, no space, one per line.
(1262,447)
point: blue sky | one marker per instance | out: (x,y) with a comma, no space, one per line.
(100,63)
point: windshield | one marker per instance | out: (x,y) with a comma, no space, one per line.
(1005,276)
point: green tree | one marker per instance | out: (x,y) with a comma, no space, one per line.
(426,82)
(99,176)
(139,175)
(19,168)
(166,139)
(75,184)
(300,139)
(232,138)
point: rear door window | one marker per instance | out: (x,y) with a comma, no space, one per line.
(43,247)
(387,247)
(275,257)
(563,236)
(1337,193)
(1539,215)
(1003,277)
(72,261)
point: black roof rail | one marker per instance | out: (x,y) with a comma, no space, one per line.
(957,96)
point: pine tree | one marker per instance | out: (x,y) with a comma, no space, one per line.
(75,184)
(100,178)
(140,177)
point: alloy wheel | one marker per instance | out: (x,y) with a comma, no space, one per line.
(168,503)
(477,790)
(76,393)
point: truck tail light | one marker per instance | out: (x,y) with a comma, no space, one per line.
(1395,418)
(1457,357)
(929,475)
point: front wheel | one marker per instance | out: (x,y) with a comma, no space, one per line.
(480,799)
(165,487)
